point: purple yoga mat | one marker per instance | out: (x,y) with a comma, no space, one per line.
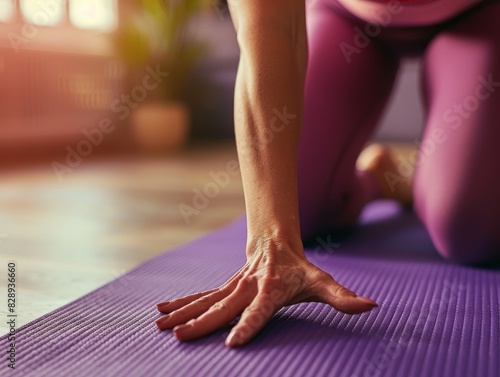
(434,319)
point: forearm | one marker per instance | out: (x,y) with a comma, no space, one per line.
(268,115)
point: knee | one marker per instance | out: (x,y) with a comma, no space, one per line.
(464,237)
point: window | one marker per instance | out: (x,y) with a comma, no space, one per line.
(83,14)
(43,12)
(6,10)
(93,14)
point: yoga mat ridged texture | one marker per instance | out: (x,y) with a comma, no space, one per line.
(434,319)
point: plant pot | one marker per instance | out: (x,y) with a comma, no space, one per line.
(161,127)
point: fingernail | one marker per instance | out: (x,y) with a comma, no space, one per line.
(367,301)
(162,304)
(233,340)
(181,327)
(160,322)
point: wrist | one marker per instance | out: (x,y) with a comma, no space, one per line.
(274,241)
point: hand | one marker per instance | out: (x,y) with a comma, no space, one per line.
(265,284)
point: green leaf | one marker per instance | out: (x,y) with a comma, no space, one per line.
(158,32)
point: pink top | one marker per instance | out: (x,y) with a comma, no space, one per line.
(406,12)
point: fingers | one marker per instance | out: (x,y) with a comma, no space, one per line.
(191,310)
(169,306)
(202,313)
(253,319)
(342,299)
(218,315)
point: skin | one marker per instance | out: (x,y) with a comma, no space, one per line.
(273,43)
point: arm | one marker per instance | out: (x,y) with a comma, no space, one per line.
(273,45)
(272,39)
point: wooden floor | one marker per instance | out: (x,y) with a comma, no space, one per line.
(68,238)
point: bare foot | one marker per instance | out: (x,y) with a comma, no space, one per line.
(377,160)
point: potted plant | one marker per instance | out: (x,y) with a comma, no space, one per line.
(154,34)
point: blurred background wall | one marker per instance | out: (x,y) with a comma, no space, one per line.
(60,73)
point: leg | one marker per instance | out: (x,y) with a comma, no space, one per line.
(457,186)
(343,102)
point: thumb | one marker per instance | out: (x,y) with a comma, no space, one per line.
(343,299)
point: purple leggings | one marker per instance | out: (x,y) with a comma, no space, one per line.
(457,180)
